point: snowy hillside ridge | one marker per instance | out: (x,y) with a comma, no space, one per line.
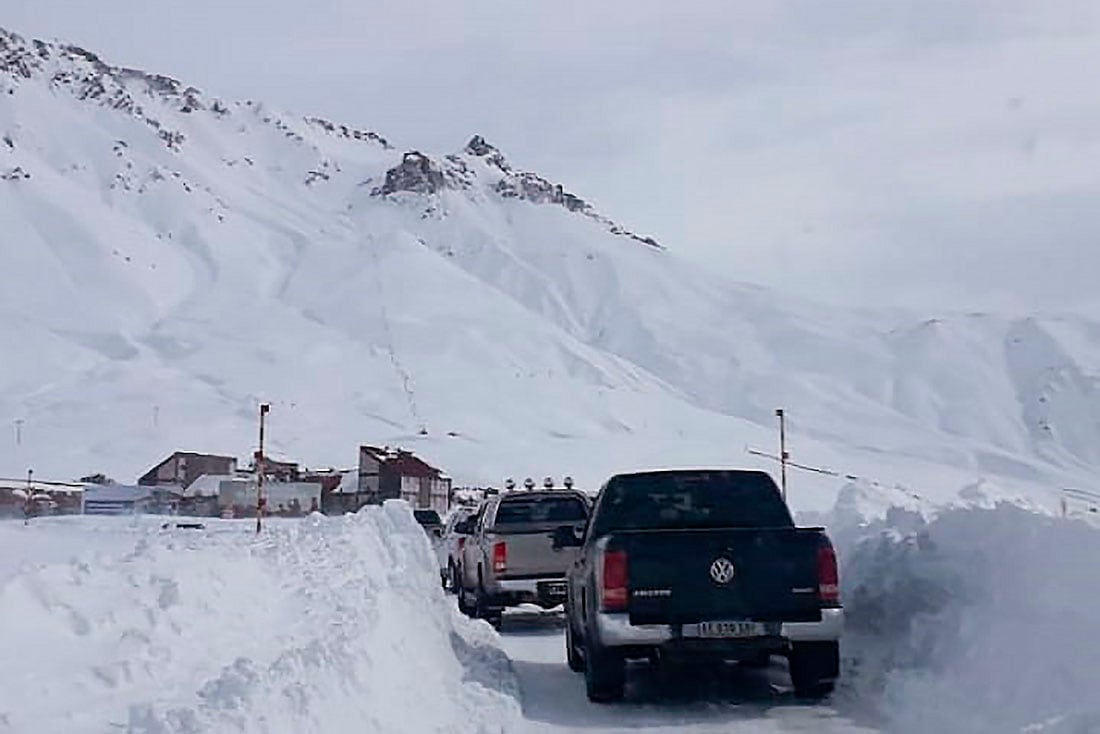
(331,625)
(88,78)
(982,620)
(419,174)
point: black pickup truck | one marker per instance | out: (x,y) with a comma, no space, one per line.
(700,563)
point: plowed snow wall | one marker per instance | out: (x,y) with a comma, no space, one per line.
(321,625)
(982,620)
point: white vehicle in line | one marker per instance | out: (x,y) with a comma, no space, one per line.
(449,549)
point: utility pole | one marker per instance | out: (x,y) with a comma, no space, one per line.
(264,409)
(27,500)
(783,455)
(19,431)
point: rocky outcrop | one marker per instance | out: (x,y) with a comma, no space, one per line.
(528,186)
(416,173)
(481,149)
(87,77)
(350,133)
(16,57)
(537,190)
(14,174)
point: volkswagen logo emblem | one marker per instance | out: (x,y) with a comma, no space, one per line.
(722,570)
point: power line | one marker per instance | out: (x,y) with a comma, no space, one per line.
(1082,494)
(829,472)
(796,465)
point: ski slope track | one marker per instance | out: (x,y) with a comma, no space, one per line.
(170,260)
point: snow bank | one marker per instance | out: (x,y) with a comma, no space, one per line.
(981,620)
(326,624)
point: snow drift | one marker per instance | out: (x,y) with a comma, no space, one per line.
(333,625)
(981,620)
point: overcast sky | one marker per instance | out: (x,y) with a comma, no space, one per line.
(940,153)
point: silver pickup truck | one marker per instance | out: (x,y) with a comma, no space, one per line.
(512,558)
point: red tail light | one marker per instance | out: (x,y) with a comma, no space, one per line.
(613,593)
(461,543)
(500,557)
(828,580)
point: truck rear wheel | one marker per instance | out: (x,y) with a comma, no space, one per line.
(482,610)
(815,667)
(572,655)
(464,604)
(604,674)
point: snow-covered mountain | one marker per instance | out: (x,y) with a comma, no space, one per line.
(170,260)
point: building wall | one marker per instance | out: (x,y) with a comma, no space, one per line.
(369,470)
(425,493)
(389,483)
(238,498)
(441,495)
(196,466)
(117,499)
(410,491)
(183,468)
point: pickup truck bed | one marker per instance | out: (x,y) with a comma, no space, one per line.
(700,563)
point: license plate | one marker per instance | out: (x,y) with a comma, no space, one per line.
(724,629)
(553,588)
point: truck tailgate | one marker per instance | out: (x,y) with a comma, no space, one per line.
(531,554)
(698,575)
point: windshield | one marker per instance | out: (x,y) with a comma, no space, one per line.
(543,510)
(426,517)
(460,516)
(691,500)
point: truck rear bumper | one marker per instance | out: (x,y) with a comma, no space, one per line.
(615,630)
(546,591)
(529,586)
(828,629)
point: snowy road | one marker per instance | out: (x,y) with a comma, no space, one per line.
(553,698)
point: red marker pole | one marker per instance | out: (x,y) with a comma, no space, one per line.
(27,500)
(264,409)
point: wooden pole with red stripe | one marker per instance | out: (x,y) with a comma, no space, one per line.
(264,409)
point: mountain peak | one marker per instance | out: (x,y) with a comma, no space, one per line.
(417,173)
(480,148)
